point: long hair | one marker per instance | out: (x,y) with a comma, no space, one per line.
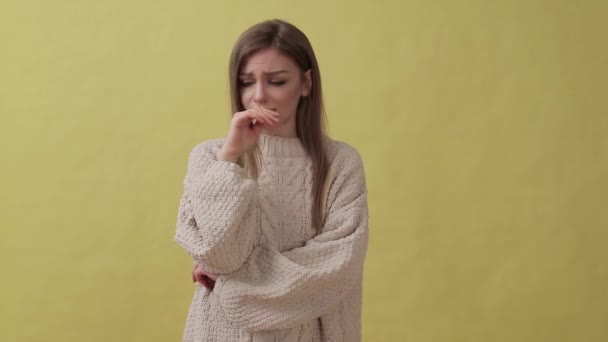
(310,115)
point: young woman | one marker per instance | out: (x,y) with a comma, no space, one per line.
(275,215)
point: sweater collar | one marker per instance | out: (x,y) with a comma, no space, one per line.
(280,147)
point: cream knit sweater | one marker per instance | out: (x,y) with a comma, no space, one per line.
(279,280)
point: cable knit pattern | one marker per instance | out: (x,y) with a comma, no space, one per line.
(278,279)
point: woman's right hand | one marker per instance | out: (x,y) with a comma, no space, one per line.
(203,277)
(245,128)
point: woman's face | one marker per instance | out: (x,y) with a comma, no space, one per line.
(271,80)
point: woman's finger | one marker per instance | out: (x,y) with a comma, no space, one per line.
(272,113)
(202,279)
(194,270)
(261,116)
(270,116)
(210,281)
(242,119)
(253,117)
(266,117)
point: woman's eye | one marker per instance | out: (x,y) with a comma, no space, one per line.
(277,83)
(246,84)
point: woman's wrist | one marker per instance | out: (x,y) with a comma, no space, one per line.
(226,156)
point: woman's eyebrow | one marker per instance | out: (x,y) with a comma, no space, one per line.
(266,73)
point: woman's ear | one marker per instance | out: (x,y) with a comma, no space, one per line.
(306,83)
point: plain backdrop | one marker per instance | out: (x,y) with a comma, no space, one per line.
(482,125)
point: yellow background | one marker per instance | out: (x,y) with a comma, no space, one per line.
(482,124)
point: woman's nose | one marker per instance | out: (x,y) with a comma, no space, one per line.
(260,94)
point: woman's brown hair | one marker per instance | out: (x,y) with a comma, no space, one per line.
(310,116)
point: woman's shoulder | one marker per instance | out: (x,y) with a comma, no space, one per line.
(344,160)
(340,153)
(346,172)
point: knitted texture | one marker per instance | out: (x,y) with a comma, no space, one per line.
(279,280)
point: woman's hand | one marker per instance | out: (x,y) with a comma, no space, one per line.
(244,130)
(203,277)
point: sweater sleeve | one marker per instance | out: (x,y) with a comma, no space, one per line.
(216,216)
(279,290)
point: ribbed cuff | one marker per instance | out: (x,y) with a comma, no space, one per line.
(222,166)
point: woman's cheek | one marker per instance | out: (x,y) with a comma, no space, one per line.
(245,100)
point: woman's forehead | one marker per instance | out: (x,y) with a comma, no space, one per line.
(268,61)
